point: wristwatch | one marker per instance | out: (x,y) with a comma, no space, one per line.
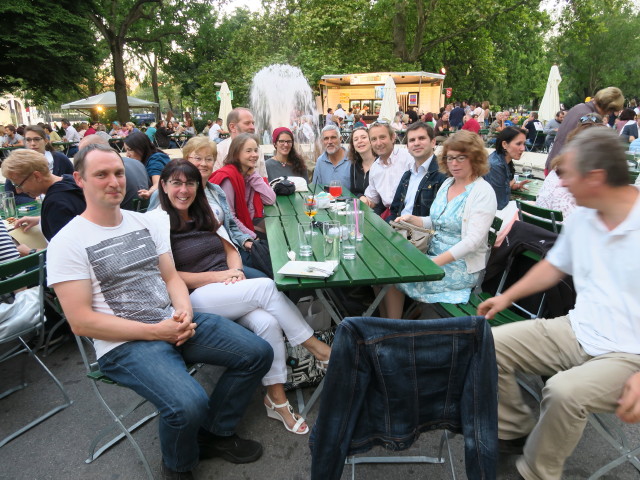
(32,251)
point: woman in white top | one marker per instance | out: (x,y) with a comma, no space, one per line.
(461,215)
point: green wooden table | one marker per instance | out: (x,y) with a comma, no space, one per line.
(384,257)
(531,191)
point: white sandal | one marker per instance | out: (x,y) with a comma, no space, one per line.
(273,413)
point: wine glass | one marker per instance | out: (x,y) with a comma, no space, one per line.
(311,208)
(335,188)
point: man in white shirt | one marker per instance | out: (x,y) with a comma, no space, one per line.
(340,112)
(71,135)
(420,183)
(114,275)
(240,120)
(215,131)
(388,168)
(591,352)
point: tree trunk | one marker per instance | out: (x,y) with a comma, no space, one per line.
(154,86)
(400,30)
(120,84)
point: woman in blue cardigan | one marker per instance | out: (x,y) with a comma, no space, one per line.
(138,146)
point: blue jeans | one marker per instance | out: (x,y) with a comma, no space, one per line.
(72,151)
(156,370)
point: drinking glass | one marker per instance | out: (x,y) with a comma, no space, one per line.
(636,157)
(354,215)
(349,241)
(332,232)
(8,202)
(527,170)
(335,188)
(305,235)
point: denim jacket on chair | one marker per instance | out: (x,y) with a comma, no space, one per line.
(390,380)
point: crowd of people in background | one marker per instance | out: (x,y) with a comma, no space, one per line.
(206,209)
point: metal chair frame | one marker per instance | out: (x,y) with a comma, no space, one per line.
(28,272)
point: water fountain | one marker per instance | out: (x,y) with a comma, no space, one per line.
(281,97)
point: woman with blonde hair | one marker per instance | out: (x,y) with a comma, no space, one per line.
(461,215)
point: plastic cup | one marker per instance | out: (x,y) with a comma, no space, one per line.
(305,232)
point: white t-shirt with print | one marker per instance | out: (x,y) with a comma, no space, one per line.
(122,264)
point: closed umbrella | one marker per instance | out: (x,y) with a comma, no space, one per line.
(551,101)
(225,104)
(389,101)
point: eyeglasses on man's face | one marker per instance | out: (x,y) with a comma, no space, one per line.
(19,185)
(33,139)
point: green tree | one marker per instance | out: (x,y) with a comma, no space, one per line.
(595,48)
(41,36)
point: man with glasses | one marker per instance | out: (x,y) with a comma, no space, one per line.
(333,164)
(387,170)
(608,100)
(28,171)
(114,275)
(240,120)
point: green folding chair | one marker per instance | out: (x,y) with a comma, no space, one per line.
(550,220)
(18,329)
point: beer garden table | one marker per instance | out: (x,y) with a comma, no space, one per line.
(383,258)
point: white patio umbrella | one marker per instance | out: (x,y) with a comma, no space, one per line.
(389,101)
(106,100)
(225,104)
(551,101)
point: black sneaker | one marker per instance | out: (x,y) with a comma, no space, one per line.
(168,474)
(232,449)
(512,447)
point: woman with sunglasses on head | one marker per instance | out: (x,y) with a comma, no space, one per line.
(461,215)
(138,146)
(361,157)
(286,161)
(212,270)
(35,138)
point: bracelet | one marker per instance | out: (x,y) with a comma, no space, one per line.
(32,251)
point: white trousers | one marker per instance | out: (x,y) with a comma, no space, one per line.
(257,305)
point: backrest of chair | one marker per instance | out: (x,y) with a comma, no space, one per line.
(541,217)
(23,272)
(90,366)
(633,176)
(493,231)
(140,204)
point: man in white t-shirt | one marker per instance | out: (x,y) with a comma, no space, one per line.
(240,120)
(215,131)
(116,281)
(387,170)
(591,352)
(340,112)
